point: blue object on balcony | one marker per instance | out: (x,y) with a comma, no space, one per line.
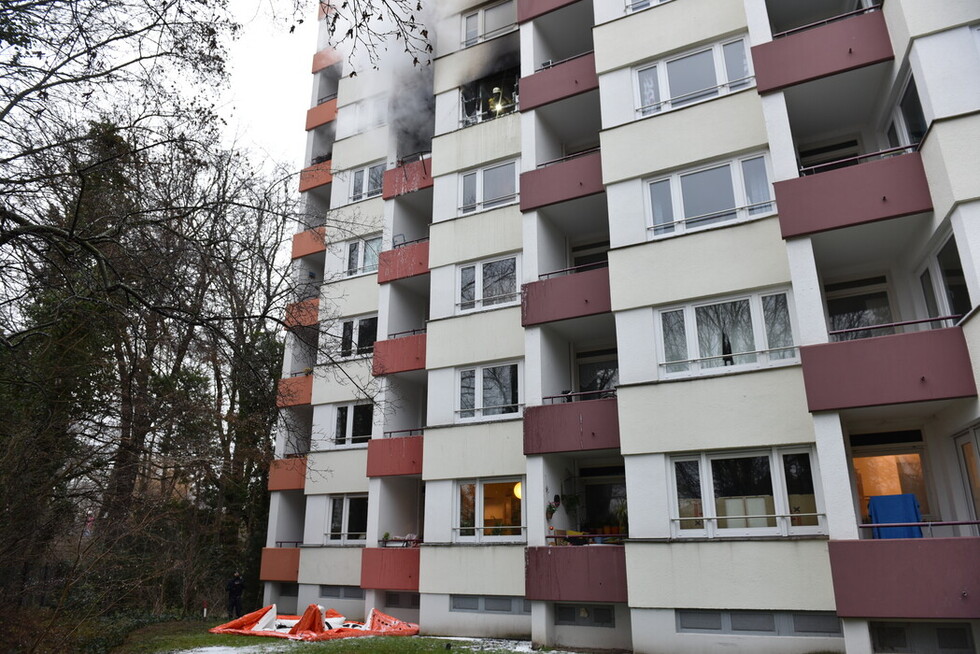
(895,508)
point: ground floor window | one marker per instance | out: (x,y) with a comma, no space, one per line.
(395,600)
(923,637)
(758,623)
(585,615)
(342,592)
(489,604)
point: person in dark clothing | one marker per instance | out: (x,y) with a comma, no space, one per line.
(235,587)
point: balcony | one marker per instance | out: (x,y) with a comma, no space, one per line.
(894,369)
(530,9)
(314,176)
(303,314)
(323,113)
(324,59)
(835,45)
(399,453)
(400,353)
(295,391)
(585,292)
(576,574)
(288,474)
(591,423)
(853,192)
(308,242)
(575,176)
(559,80)
(279,564)
(921,578)
(390,568)
(407,177)
(406,260)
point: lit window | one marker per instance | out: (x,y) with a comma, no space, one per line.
(721,193)
(768,492)
(347,519)
(490,510)
(489,22)
(488,283)
(367,182)
(694,76)
(358,336)
(580,615)
(354,424)
(489,391)
(488,187)
(489,97)
(943,284)
(738,333)
(362,256)
(890,463)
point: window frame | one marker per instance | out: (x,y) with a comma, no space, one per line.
(938,284)
(361,190)
(344,535)
(633,6)
(481,33)
(723,84)
(742,209)
(782,511)
(478,528)
(478,411)
(893,449)
(862,286)
(348,411)
(480,203)
(479,301)
(351,333)
(362,245)
(898,121)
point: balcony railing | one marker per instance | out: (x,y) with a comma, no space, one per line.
(928,526)
(585,538)
(579,397)
(574,269)
(826,21)
(836,333)
(853,161)
(568,157)
(288,543)
(403,433)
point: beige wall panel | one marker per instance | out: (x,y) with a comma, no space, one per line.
(360,149)
(472,570)
(477,145)
(330,565)
(753,574)
(474,338)
(358,219)
(349,297)
(337,471)
(753,409)
(465,65)
(751,255)
(477,236)
(344,382)
(448,452)
(664,29)
(949,155)
(911,18)
(684,137)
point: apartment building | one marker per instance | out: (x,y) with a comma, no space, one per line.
(640,316)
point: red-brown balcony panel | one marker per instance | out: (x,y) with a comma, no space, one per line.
(303,314)
(399,355)
(808,54)
(562,80)
(894,369)
(576,574)
(308,242)
(407,178)
(572,426)
(295,391)
(321,114)
(574,176)
(279,564)
(288,474)
(569,296)
(390,568)
(387,457)
(853,195)
(324,59)
(315,175)
(529,9)
(404,261)
(913,578)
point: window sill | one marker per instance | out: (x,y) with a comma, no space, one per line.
(493,543)
(638,117)
(351,202)
(503,305)
(477,212)
(729,539)
(462,422)
(502,32)
(682,377)
(365,273)
(653,237)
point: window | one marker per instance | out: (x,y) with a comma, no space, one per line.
(943,284)
(366,182)
(597,370)
(722,193)
(694,76)
(489,22)
(342,592)
(856,304)
(767,492)
(489,391)
(488,187)
(581,615)
(908,124)
(488,283)
(890,463)
(354,424)
(362,256)
(754,331)
(637,5)
(489,604)
(358,336)
(489,97)
(347,519)
(401,600)
(940,637)
(490,510)
(758,623)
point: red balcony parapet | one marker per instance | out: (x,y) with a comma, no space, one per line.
(562,80)
(389,457)
(324,59)
(576,574)
(574,176)
(528,9)
(407,178)
(390,568)
(279,564)
(894,369)
(569,296)
(315,175)
(295,391)
(287,474)
(837,47)
(303,314)
(404,261)
(399,355)
(909,579)
(321,114)
(309,242)
(854,195)
(572,426)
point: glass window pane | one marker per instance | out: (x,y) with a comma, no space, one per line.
(353,252)
(357,185)
(598,376)
(691,78)
(375,177)
(347,339)
(471,29)
(736,65)
(500,390)
(498,604)
(743,487)
(357,517)
(467,287)
(890,474)
(856,311)
(498,185)
(753,621)
(372,247)
(756,182)
(649,90)
(687,475)
(367,334)
(675,339)
(954,281)
(499,17)
(915,120)
(929,293)
(799,489)
(708,196)
(465,602)
(499,281)
(469,192)
(336,518)
(501,509)
(467,509)
(467,393)
(779,333)
(361,426)
(663,208)
(724,330)
(340,433)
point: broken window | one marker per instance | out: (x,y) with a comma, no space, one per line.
(488,98)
